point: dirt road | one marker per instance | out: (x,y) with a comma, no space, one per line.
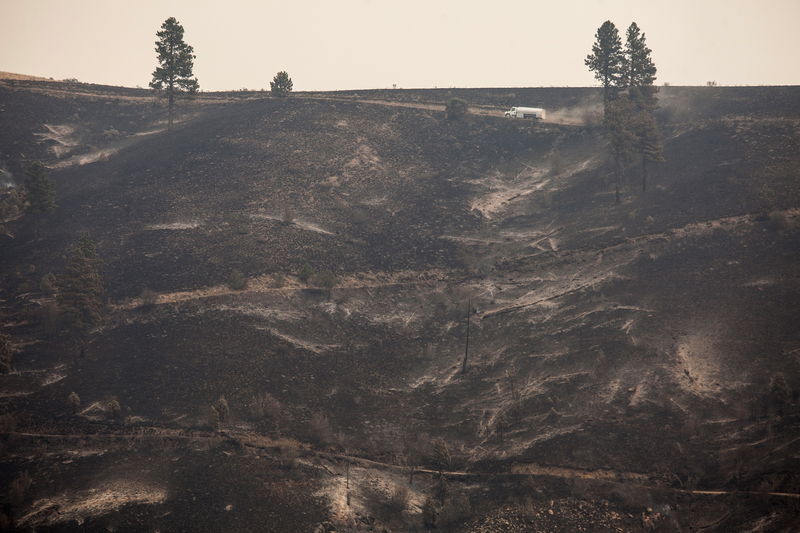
(253,442)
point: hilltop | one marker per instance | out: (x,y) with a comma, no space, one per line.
(622,358)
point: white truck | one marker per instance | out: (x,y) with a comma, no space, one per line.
(536,113)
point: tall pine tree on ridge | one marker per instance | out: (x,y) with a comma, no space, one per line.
(176,61)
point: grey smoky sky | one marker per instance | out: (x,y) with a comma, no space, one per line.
(346,44)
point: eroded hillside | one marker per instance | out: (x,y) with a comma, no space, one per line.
(622,359)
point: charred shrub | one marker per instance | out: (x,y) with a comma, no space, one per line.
(49,284)
(386,506)
(320,427)
(266,406)
(74,402)
(326,280)
(221,408)
(237,281)
(305,273)
(456,109)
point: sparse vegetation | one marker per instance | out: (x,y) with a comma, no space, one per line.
(148,298)
(237,281)
(267,406)
(456,109)
(321,429)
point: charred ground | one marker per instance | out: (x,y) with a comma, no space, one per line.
(621,356)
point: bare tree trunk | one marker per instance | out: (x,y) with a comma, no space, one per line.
(171,104)
(617,172)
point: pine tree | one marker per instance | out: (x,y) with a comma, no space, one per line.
(176,61)
(41,193)
(640,74)
(638,67)
(647,141)
(606,59)
(81,289)
(281,84)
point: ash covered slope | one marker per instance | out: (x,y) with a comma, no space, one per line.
(634,342)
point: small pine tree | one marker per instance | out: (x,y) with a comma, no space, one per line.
(606,59)
(81,291)
(281,84)
(41,193)
(176,61)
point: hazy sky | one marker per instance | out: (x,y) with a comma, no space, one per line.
(346,44)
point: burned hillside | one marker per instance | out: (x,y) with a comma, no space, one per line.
(288,283)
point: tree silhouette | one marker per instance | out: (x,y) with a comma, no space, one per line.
(41,193)
(176,61)
(606,59)
(281,84)
(638,67)
(80,295)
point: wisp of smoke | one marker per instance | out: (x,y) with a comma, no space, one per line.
(6,178)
